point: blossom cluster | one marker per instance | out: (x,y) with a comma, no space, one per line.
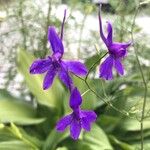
(54,65)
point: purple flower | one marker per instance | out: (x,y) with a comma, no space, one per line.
(78,119)
(54,65)
(117,51)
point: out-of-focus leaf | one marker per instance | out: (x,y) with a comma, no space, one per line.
(145,2)
(93,59)
(35,82)
(108,122)
(17,111)
(15,145)
(120,6)
(135,135)
(23,136)
(135,90)
(134,125)
(53,139)
(122,145)
(90,61)
(62,148)
(5,95)
(12,132)
(97,139)
(146,145)
(134,106)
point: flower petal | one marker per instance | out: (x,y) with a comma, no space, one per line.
(63,123)
(40,66)
(55,41)
(65,78)
(76,67)
(87,117)
(119,67)
(48,80)
(75,129)
(75,99)
(110,32)
(91,115)
(106,68)
(85,124)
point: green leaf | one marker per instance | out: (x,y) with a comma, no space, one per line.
(53,139)
(108,122)
(146,145)
(96,139)
(14,145)
(91,60)
(120,6)
(12,132)
(122,145)
(145,2)
(17,111)
(134,125)
(35,82)
(62,148)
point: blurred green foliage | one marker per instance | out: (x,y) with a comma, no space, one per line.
(30,125)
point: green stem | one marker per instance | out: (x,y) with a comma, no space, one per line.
(94,64)
(23,29)
(143,78)
(125,113)
(122,19)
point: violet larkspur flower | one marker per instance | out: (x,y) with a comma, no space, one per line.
(117,51)
(78,119)
(54,65)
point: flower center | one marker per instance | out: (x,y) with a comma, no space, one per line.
(56,60)
(117,53)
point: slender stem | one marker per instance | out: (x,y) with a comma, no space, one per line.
(125,113)
(91,68)
(85,92)
(62,26)
(122,18)
(108,103)
(143,78)
(23,30)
